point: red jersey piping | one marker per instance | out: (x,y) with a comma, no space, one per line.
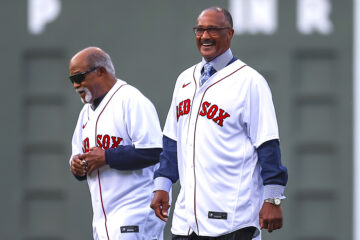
(197,116)
(98,171)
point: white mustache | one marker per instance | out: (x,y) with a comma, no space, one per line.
(80,89)
(88,94)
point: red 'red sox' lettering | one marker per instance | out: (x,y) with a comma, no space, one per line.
(183,108)
(86,145)
(210,111)
(105,142)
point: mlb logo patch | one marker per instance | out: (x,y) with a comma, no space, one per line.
(129,229)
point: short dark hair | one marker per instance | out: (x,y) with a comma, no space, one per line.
(223,11)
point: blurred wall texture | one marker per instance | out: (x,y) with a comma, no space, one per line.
(304,48)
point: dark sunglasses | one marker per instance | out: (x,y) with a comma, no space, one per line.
(80,77)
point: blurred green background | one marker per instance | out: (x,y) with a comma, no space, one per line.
(302,47)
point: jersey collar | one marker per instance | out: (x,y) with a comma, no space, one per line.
(220,62)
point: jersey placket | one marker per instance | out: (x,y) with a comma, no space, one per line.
(191,203)
(89,133)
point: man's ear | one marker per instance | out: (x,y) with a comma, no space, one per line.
(102,70)
(231,33)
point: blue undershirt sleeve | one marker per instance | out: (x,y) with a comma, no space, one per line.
(130,158)
(269,157)
(168,161)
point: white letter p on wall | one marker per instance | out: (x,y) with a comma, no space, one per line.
(40,13)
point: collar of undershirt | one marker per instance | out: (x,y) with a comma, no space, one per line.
(219,62)
(213,70)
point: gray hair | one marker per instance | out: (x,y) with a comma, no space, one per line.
(223,11)
(101,59)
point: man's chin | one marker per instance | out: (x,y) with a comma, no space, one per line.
(83,100)
(86,97)
(208,58)
(208,54)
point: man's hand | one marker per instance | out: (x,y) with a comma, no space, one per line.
(77,168)
(270,217)
(160,204)
(94,159)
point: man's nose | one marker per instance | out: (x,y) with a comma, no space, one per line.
(206,34)
(76,85)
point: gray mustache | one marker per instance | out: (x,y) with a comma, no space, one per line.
(208,41)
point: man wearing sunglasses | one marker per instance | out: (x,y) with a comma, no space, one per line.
(221,141)
(115,149)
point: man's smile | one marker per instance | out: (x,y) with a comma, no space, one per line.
(207,43)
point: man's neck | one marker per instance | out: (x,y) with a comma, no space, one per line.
(106,88)
(220,61)
(97,102)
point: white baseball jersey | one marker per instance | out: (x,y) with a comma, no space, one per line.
(217,128)
(121,199)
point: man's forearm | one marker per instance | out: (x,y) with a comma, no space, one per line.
(168,163)
(273,173)
(130,158)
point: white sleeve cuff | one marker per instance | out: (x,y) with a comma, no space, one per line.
(274,191)
(162,183)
